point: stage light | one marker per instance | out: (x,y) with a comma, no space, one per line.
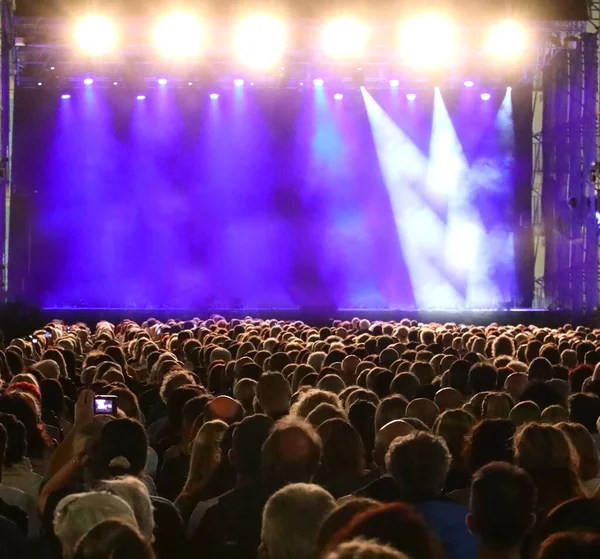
(411,96)
(338,96)
(485,96)
(260,42)
(140,97)
(39,83)
(179,36)
(95,35)
(88,81)
(65,96)
(318,82)
(469,83)
(214,96)
(238,82)
(427,41)
(394,83)
(162,81)
(344,38)
(507,40)
(190,83)
(115,83)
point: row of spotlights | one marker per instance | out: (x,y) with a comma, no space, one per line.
(239,82)
(337,96)
(260,41)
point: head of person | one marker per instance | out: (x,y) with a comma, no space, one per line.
(114,539)
(482,378)
(496,405)
(554,415)
(136,495)
(587,452)
(546,454)
(16,440)
(524,413)
(347,509)
(292,518)
(310,399)
(579,514)
(127,402)
(423,409)
(454,426)
(491,440)
(122,449)
(206,451)
(291,453)
(365,549)
(419,464)
(78,513)
(585,409)
(570,545)
(540,369)
(502,506)
(384,438)
(324,412)
(389,409)
(406,384)
(247,442)
(397,525)
(343,455)
(448,399)
(515,384)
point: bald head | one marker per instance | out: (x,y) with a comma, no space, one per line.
(515,384)
(386,436)
(448,399)
(423,409)
(224,408)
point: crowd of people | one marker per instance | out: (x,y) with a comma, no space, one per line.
(263,439)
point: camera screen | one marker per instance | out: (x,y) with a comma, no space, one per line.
(103,405)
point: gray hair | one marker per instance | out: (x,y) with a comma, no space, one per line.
(136,495)
(365,549)
(77,514)
(291,521)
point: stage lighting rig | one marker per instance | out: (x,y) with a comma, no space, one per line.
(179,36)
(428,42)
(345,38)
(260,42)
(507,41)
(96,35)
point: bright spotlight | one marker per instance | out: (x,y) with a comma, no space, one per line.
(162,81)
(140,97)
(411,96)
(260,42)
(179,36)
(345,38)
(238,82)
(88,81)
(507,40)
(65,96)
(469,83)
(427,41)
(485,96)
(96,35)
(394,83)
(338,96)
(214,96)
(39,83)
(318,82)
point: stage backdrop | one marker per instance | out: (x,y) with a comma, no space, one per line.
(268,199)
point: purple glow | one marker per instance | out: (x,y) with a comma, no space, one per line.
(469,83)
(485,96)
(214,96)
(411,96)
(115,83)
(65,96)
(88,81)
(318,82)
(238,82)
(162,81)
(140,97)
(190,83)
(338,96)
(394,83)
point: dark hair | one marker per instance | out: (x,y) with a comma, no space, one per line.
(396,525)
(343,453)
(113,539)
(390,408)
(585,409)
(16,439)
(503,501)
(581,514)
(540,369)
(177,400)
(120,438)
(248,439)
(53,397)
(578,376)
(491,440)
(482,378)
(406,384)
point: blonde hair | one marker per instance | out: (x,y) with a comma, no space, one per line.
(584,445)
(206,452)
(78,513)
